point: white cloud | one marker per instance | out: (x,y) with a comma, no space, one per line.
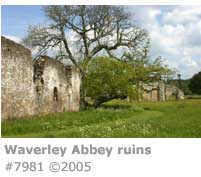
(183,15)
(175,34)
(188,65)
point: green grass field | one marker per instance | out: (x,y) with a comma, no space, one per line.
(115,119)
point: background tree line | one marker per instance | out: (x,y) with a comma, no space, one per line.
(190,86)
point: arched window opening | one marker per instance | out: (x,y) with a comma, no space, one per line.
(55,94)
(37,89)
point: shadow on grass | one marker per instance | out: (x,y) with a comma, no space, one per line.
(115,106)
(147,108)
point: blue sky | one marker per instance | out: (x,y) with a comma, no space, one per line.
(175,31)
(16,19)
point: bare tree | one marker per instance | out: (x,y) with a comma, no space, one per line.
(83,32)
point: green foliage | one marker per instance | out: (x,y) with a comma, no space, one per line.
(115,119)
(185,87)
(109,78)
(195,83)
(146,70)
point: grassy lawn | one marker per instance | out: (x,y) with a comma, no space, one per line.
(115,119)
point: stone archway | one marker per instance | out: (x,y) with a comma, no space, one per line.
(172,93)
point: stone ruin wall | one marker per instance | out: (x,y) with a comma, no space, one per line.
(51,87)
(35,87)
(173,90)
(75,89)
(17,96)
(153,91)
(56,86)
(158,91)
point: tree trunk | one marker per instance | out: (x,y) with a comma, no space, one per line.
(83,103)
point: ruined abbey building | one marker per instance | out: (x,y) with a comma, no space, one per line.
(159,91)
(35,87)
(43,86)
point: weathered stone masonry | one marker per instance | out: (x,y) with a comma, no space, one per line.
(158,91)
(35,87)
